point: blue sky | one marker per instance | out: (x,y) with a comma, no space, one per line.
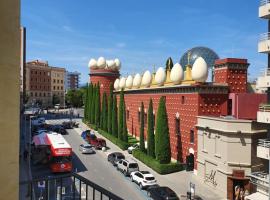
(142,34)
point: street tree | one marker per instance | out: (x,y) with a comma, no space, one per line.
(114,118)
(104,112)
(162,139)
(142,146)
(110,107)
(121,115)
(97,106)
(150,131)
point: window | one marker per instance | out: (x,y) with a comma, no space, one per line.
(191,136)
(31,94)
(57,87)
(44,73)
(183,100)
(61,81)
(39,73)
(139,116)
(54,87)
(61,87)
(35,72)
(177,126)
(44,94)
(57,81)
(54,80)
(35,94)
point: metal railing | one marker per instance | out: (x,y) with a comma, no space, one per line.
(264,36)
(264,143)
(264,107)
(66,187)
(260,178)
(263,2)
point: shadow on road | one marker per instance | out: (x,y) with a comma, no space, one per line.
(78,165)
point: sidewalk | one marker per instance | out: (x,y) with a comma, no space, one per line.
(178,181)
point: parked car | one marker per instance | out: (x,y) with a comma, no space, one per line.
(143,179)
(70,124)
(115,157)
(131,148)
(98,143)
(161,193)
(86,148)
(127,166)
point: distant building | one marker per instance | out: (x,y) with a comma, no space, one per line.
(43,83)
(58,85)
(72,80)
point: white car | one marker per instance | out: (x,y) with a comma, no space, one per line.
(143,179)
(86,148)
(131,148)
(126,166)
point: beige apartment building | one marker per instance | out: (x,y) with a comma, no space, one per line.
(227,153)
(58,85)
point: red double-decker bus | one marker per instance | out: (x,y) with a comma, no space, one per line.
(60,157)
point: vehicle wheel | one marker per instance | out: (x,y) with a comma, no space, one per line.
(141,186)
(131,179)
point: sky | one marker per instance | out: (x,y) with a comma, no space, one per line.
(142,34)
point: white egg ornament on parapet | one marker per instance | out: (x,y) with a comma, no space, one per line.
(116,84)
(92,63)
(129,82)
(137,81)
(101,63)
(117,64)
(110,64)
(147,78)
(177,74)
(122,83)
(199,70)
(160,76)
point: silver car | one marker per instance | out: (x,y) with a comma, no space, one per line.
(86,148)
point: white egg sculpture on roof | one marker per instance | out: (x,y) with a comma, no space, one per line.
(122,83)
(92,63)
(199,70)
(137,81)
(160,76)
(110,64)
(116,84)
(147,78)
(177,74)
(117,63)
(129,82)
(101,63)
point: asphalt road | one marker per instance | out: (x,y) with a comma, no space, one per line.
(96,168)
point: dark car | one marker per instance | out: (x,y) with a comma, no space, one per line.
(161,193)
(59,129)
(85,133)
(70,124)
(115,157)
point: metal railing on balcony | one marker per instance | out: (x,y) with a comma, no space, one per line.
(260,179)
(264,143)
(264,107)
(264,36)
(263,2)
(66,187)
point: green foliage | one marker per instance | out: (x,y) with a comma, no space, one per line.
(150,131)
(142,146)
(110,107)
(93,102)
(123,145)
(125,133)
(169,64)
(56,99)
(155,165)
(162,140)
(114,118)
(74,98)
(97,106)
(90,99)
(104,112)
(121,116)
(132,140)
(86,116)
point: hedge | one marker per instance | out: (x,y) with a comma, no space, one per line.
(116,141)
(155,165)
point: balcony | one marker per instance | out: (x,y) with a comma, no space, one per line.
(264,9)
(264,43)
(263,148)
(263,115)
(67,186)
(261,179)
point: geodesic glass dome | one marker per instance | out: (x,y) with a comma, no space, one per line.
(207,54)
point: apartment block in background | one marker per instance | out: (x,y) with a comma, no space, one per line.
(38,83)
(58,85)
(72,80)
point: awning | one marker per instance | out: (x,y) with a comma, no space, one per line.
(257,196)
